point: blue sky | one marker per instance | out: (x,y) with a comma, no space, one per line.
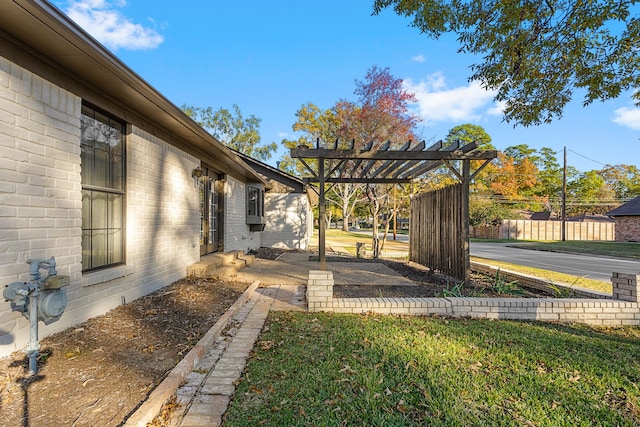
(270,58)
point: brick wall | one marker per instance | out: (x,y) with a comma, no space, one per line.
(590,311)
(289,221)
(627,228)
(162,223)
(41,205)
(625,286)
(40,199)
(237,236)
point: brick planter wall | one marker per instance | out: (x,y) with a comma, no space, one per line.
(610,312)
(625,286)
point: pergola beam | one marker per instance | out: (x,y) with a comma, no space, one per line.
(399,166)
(364,180)
(458,154)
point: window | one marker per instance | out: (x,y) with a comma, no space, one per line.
(103,189)
(255,204)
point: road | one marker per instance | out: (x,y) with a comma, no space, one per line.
(592,267)
(589,266)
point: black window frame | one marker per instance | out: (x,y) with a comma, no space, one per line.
(255,204)
(103,172)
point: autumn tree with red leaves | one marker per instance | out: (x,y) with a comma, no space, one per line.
(380,114)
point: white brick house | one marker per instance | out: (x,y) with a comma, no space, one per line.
(101,171)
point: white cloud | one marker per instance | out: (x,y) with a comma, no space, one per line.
(437,102)
(497,109)
(419,58)
(108,25)
(628,117)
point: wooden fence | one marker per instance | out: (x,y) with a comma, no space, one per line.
(512,229)
(436,230)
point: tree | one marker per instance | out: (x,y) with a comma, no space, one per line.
(380,114)
(589,192)
(548,188)
(522,151)
(325,126)
(383,113)
(468,133)
(535,54)
(512,178)
(233,130)
(623,179)
(484,212)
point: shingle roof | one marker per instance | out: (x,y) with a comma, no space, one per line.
(631,208)
(542,216)
(589,218)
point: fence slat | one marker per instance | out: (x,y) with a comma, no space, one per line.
(435,228)
(545,230)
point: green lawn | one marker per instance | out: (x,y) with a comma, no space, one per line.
(611,249)
(333,370)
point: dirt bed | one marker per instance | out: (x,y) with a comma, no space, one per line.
(99,372)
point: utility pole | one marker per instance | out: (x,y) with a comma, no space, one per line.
(563,212)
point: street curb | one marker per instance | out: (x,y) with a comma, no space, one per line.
(168,387)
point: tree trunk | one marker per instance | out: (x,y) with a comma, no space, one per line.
(375,243)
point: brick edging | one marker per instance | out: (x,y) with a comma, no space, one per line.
(580,310)
(168,387)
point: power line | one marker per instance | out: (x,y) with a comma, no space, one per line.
(585,157)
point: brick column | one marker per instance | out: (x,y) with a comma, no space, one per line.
(625,286)
(320,291)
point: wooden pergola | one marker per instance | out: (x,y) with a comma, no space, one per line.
(385,165)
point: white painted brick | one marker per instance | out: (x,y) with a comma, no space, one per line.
(45,195)
(289,221)
(623,315)
(547,316)
(320,294)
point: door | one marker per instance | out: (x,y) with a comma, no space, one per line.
(211,200)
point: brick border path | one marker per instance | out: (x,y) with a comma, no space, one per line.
(204,397)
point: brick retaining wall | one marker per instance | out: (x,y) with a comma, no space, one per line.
(608,312)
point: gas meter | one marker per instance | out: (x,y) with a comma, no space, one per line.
(41,298)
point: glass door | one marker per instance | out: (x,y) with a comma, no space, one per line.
(211,199)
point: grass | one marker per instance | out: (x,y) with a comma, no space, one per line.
(348,241)
(334,369)
(551,276)
(610,249)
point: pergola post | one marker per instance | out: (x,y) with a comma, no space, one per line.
(322,213)
(464,236)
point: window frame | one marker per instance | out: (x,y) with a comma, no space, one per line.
(255,204)
(110,186)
